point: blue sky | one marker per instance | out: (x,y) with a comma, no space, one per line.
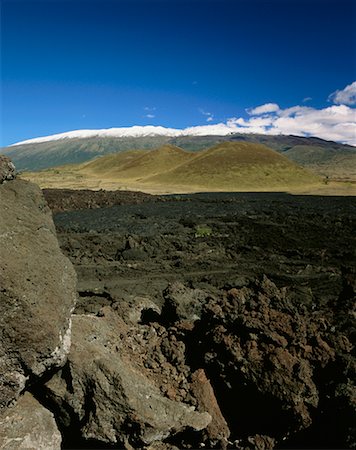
(71,64)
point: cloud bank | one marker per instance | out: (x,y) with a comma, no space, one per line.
(334,123)
(346,96)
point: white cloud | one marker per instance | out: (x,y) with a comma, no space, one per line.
(346,96)
(263,109)
(209,115)
(307,99)
(149,110)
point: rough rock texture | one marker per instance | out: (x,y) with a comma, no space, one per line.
(69,199)
(105,393)
(279,360)
(266,354)
(182,303)
(7,169)
(261,442)
(28,426)
(217,431)
(37,290)
(161,446)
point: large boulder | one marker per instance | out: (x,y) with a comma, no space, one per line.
(107,393)
(37,290)
(28,426)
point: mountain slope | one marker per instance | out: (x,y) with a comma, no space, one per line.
(325,158)
(39,156)
(111,164)
(330,162)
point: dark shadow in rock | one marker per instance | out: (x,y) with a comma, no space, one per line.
(246,410)
(149,316)
(334,421)
(90,302)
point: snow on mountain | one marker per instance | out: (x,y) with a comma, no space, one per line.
(136,131)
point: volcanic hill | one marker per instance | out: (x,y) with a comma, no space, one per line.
(236,166)
(139,164)
(229,166)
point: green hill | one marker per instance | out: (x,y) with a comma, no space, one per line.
(138,165)
(111,164)
(235,166)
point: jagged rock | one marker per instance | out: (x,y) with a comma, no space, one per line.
(28,426)
(104,391)
(263,354)
(217,431)
(37,290)
(183,303)
(261,442)
(7,169)
(133,310)
(161,446)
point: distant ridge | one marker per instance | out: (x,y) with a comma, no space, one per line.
(122,132)
(325,158)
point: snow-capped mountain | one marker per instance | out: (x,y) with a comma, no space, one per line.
(136,131)
(83,145)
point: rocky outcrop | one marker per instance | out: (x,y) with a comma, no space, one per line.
(7,169)
(106,391)
(223,360)
(28,426)
(37,290)
(265,354)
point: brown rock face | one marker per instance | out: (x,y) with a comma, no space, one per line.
(28,426)
(217,431)
(37,290)
(264,355)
